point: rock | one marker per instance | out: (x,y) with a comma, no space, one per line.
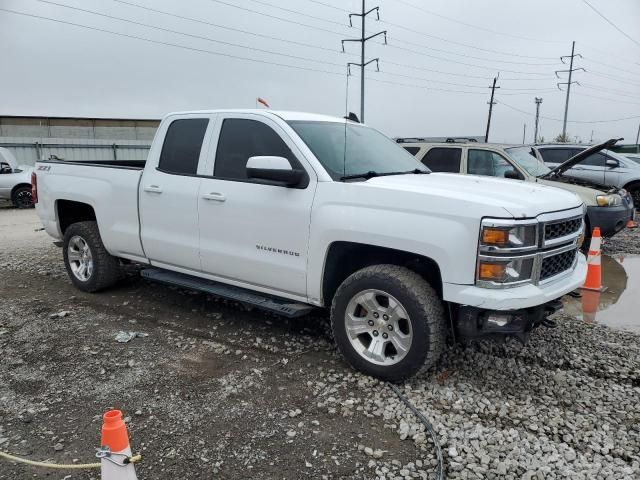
(58,447)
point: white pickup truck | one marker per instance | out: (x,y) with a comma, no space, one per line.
(293,211)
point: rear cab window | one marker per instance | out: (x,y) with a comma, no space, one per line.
(182,145)
(412,150)
(443,159)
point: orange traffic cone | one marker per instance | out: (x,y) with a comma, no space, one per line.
(117,462)
(594,268)
(590,302)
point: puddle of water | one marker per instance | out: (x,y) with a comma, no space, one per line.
(619,305)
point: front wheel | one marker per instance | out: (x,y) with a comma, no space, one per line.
(89,266)
(388,322)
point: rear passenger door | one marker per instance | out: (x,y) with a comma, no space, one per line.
(252,233)
(443,159)
(169,194)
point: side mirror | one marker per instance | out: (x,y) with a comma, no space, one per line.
(274,169)
(612,163)
(513,174)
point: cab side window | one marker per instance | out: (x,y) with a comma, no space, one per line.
(485,162)
(5,168)
(595,160)
(241,139)
(443,159)
(182,145)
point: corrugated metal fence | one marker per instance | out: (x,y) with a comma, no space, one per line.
(28,150)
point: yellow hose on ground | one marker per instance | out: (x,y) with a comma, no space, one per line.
(13,458)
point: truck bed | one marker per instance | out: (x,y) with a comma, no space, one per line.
(108,187)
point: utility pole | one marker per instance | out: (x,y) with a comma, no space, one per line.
(638,134)
(568,84)
(535,133)
(491,104)
(524,133)
(363,40)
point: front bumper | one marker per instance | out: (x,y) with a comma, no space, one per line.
(516,298)
(473,322)
(610,219)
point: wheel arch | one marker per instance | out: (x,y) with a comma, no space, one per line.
(69,212)
(344,258)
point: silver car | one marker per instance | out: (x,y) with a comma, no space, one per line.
(15,180)
(604,167)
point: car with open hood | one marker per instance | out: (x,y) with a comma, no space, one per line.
(602,166)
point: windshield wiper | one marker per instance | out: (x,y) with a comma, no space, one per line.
(373,173)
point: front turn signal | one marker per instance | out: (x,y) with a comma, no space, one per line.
(490,271)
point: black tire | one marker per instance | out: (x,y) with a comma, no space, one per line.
(634,191)
(417,297)
(106,268)
(21,197)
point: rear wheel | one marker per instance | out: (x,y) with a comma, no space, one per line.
(21,197)
(388,322)
(89,266)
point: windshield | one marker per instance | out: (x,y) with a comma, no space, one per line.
(525,158)
(367,149)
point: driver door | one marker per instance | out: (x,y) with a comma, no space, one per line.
(253,233)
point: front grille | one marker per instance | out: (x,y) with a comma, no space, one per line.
(556,264)
(561,229)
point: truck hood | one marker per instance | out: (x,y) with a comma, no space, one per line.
(563,167)
(518,198)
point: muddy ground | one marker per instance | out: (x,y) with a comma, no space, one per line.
(216,391)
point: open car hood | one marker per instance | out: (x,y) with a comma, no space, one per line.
(563,167)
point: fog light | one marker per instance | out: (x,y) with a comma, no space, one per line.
(499,320)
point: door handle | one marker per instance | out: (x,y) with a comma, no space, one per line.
(153,189)
(218,197)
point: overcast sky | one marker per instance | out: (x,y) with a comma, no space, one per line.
(433,79)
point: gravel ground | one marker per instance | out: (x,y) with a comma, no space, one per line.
(216,391)
(625,242)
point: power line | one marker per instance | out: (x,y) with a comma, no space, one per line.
(510,54)
(454,20)
(611,77)
(449,52)
(296,12)
(225,27)
(611,23)
(633,117)
(617,92)
(626,102)
(615,67)
(191,35)
(416,52)
(220,54)
(303,44)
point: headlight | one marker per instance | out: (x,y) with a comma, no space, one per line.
(609,200)
(496,237)
(507,271)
